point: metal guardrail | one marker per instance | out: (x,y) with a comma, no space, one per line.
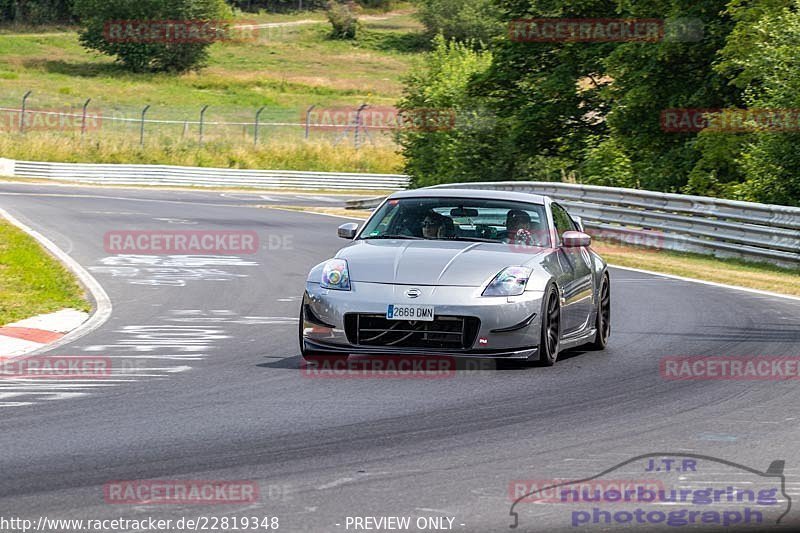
(200,177)
(724,228)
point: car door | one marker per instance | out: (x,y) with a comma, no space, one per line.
(577,298)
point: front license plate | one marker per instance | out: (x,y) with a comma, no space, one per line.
(423,313)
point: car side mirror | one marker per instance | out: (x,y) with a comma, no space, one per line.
(575,239)
(579,222)
(348,231)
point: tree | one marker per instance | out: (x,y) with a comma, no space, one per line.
(36,11)
(567,108)
(673,73)
(761,55)
(545,95)
(463,20)
(134,32)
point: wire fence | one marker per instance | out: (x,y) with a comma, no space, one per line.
(89,120)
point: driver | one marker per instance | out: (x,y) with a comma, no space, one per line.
(432,225)
(520,231)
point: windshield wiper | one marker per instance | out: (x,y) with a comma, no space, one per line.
(410,237)
(474,239)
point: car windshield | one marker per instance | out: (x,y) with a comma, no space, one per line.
(460,219)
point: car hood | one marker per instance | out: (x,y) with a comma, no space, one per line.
(409,262)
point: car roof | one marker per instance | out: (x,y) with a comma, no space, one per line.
(487,194)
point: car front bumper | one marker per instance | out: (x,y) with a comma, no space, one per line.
(509,326)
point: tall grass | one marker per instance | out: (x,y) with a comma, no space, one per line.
(274,155)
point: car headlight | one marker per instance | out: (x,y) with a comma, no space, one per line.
(509,282)
(335,275)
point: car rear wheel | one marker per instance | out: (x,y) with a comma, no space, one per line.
(551,328)
(603,320)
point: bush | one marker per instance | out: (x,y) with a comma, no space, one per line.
(462,20)
(165,55)
(344,19)
(607,164)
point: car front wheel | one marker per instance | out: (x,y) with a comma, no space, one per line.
(603,320)
(551,328)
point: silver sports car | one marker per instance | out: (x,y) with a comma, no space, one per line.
(461,273)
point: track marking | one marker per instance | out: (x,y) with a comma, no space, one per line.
(336,483)
(172,270)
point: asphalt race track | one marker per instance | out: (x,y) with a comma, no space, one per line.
(207,385)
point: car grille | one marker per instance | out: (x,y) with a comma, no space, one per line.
(445,332)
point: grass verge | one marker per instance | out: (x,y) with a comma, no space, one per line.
(760,276)
(31,281)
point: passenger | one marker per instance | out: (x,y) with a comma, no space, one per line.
(407,223)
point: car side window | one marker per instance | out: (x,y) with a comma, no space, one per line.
(562,220)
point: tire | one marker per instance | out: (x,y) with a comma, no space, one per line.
(603,321)
(315,357)
(550,340)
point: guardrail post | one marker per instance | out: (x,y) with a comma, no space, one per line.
(83,118)
(255,133)
(356,138)
(141,126)
(22,112)
(202,120)
(308,118)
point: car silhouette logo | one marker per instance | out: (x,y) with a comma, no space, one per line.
(413,293)
(691,478)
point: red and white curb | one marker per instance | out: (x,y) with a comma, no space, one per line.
(34,333)
(45,332)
